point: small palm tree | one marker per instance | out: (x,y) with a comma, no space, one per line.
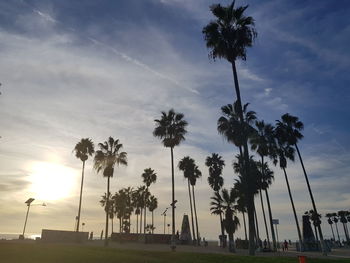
(228,37)
(193,179)
(231,222)
(336,220)
(216,164)
(187,165)
(330,222)
(105,160)
(83,150)
(110,209)
(171,129)
(152,205)
(290,128)
(149,177)
(342,217)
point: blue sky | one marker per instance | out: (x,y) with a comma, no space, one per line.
(73,69)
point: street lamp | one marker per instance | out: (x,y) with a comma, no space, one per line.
(28,202)
(164,214)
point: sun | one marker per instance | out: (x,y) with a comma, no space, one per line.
(51,181)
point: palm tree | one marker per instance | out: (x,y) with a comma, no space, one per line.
(110,209)
(152,205)
(83,150)
(267,178)
(280,154)
(149,177)
(335,220)
(105,160)
(171,129)
(231,221)
(193,178)
(263,142)
(216,181)
(187,165)
(216,209)
(342,217)
(137,204)
(290,128)
(330,222)
(228,37)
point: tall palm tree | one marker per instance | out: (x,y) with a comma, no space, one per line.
(263,142)
(282,152)
(152,205)
(171,129)
(335,220)
(342,218)
(187,165)
(330,222)
(228,37)
(290,127)
(149,177)
(217,209)
(137,204)
(83,149)
(231,221)
(216,164)
(105,160)
(193,179)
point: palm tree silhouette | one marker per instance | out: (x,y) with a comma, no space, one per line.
(330,222)
(105,160)
(282,152)
(110,209)
(149,177)
(263,142)
(228,37)
(152,205)
(83,149)
(137,204)
(290,128)
(335,220)
(186,165)
(193,179)
(342,217)
(216,164)
(217,209)
(171,129)
(231,221)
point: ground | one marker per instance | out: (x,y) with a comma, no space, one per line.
(30,252)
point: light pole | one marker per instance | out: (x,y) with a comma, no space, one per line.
(164,214)
(28,202)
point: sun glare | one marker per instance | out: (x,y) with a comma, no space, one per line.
(50,181)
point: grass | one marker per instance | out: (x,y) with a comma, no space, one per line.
(51,253)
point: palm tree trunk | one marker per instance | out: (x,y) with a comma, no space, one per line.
(152,223)
(294,212)
(231,246)
(250,199)
(112,224)
(173,243)
(336,227)
(107,210)
(137,223)
(81,195)
(189,194)
(245,226)
(262,203)
(141,220)
(323,246)
(346,233)
(144,219)
(316,233)
(271,224)
(257,229)
(222,232)
(195,214)
(332,232)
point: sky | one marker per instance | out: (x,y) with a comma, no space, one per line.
(77,69)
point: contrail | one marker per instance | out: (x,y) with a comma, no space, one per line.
(115,51)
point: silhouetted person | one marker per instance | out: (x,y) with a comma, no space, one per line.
(91,235)
(286,245)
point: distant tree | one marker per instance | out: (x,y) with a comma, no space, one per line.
(105,160)
(149,177)
(186,164)
(330,222)
(83,149)
(342,217)
(215,163)
(171,129)
(152,205)
(193,179)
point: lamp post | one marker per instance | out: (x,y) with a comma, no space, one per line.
(28,202)
(164,214)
